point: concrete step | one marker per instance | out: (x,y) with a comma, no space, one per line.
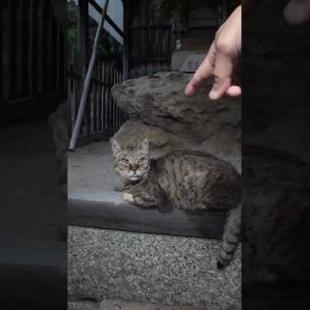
(108,210)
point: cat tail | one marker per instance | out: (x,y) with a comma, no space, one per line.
(231,237)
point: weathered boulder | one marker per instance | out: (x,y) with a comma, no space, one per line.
(161,142)
(173,120)
(159,100)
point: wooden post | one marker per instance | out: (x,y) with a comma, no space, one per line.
(83,53)
(1,51)
(50,47)
(87,81)
(57,57)
(18,37)
(13,57)
(30,48)
(35,48)
(83,35)
(64,52)
(40,40)
(126,8)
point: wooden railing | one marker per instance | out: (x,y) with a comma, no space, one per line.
(102,117)
(33,54)
(151,50)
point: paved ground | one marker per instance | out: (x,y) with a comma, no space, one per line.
(91,169)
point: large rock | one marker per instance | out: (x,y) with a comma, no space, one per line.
(161,142)
(159,100)
(162,110)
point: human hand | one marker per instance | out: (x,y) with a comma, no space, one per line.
(221,60)
(297,11)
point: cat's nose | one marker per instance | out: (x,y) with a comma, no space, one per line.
(134,167)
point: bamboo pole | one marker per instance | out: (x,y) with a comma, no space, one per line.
(87,81)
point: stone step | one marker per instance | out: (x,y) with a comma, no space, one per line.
(108,210)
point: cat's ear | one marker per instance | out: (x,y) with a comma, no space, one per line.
(145,145)
(115,147)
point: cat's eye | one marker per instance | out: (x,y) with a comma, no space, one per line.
(142,159)
(125,161)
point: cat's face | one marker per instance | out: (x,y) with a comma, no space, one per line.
(131,164)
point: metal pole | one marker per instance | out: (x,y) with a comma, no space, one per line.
(87,81)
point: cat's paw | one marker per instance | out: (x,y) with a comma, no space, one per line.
(127,197)
(133,199)
(139,202)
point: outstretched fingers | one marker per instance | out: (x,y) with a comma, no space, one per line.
(234,91)
(221,61)
(204,71)
(222,75)
(221,66)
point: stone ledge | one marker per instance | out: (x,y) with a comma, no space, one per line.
(107,210)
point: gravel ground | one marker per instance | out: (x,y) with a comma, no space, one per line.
(149,268)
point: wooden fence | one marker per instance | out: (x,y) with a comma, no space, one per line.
(33,68)
(151,49)
(102,117)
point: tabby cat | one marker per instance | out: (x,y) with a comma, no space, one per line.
(185,180)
